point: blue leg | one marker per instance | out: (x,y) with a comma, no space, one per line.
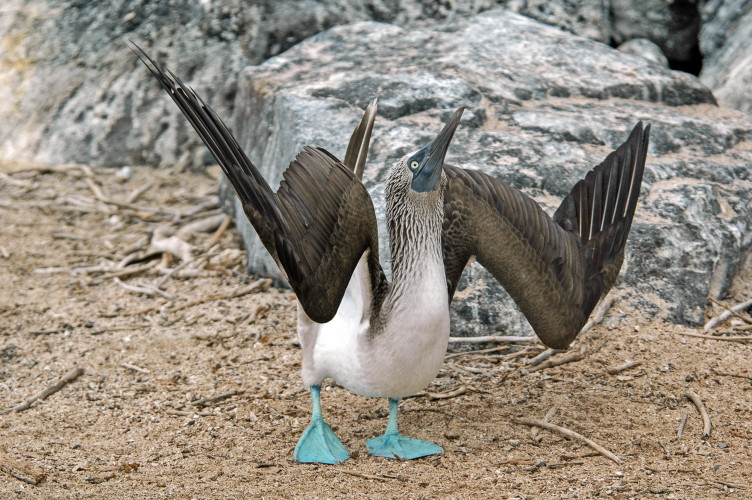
(318,444)
(392,445)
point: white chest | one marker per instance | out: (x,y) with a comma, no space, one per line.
(397,361)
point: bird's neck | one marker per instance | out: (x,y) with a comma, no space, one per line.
(415,243)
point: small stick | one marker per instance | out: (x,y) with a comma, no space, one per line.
(203,225)
(219,232)
(66,379)
(180,266)
(681,426)
(446,395)
(214,399)
(624,367)
(147,290)
(739,315)
(135,368)
(714,337)
(258,285)
(543,356)
(22,472)
(706,427)
(181,413)
(369,476)
(566,432)
(549,415)
(723,374)
(600,313)
(569,358)
(726,314)
(4,252)
(480,351)
(491,338)
(136,193)
(128,271)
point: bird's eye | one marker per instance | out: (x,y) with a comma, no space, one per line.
(414,164)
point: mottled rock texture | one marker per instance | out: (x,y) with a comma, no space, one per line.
(73,92)
(544,107)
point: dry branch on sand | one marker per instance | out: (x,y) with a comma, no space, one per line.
(64,380)
(727,314)
(706,427)
(566,432)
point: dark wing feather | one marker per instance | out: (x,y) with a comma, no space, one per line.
(357,149)
(316,226)
(556,269)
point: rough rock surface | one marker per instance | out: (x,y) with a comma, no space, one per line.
(73,91)
(544,107)
(726,43)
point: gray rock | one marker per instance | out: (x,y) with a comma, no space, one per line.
(544,107)
(672,25)
(644,48)
(73,92)
(726,43)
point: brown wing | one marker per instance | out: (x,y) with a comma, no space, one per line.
(556,269)
(357,149)
(316,226)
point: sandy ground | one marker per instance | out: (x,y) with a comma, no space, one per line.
(129,426)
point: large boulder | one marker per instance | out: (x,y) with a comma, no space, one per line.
(726,43)
(543,107)
(73,92)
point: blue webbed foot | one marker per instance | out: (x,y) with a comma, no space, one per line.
(392,445)
(319,444)
(396,446)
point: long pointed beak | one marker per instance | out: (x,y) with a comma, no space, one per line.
(428,177)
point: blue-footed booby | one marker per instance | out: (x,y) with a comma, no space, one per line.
(388,339)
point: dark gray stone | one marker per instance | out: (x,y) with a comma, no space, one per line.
(672,25)
(726,43)
(544,107)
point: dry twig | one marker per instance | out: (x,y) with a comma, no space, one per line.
(600,313)
(491,338)
(135,368)
(706,427)
(747,338)
(549,415)
(568,358)
(681,426)
(22,472)
(540,358)
(64,380)
(446,395)
(214,399)
(626,366)
(733,312)
(147,290)
(727,314)
(566,432)
(257,286)
(219,232)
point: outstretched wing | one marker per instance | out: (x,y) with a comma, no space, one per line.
(316,226)
(556,269)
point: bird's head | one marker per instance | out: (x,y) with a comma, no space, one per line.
(419,175)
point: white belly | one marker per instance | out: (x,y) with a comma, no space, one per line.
(397,361)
